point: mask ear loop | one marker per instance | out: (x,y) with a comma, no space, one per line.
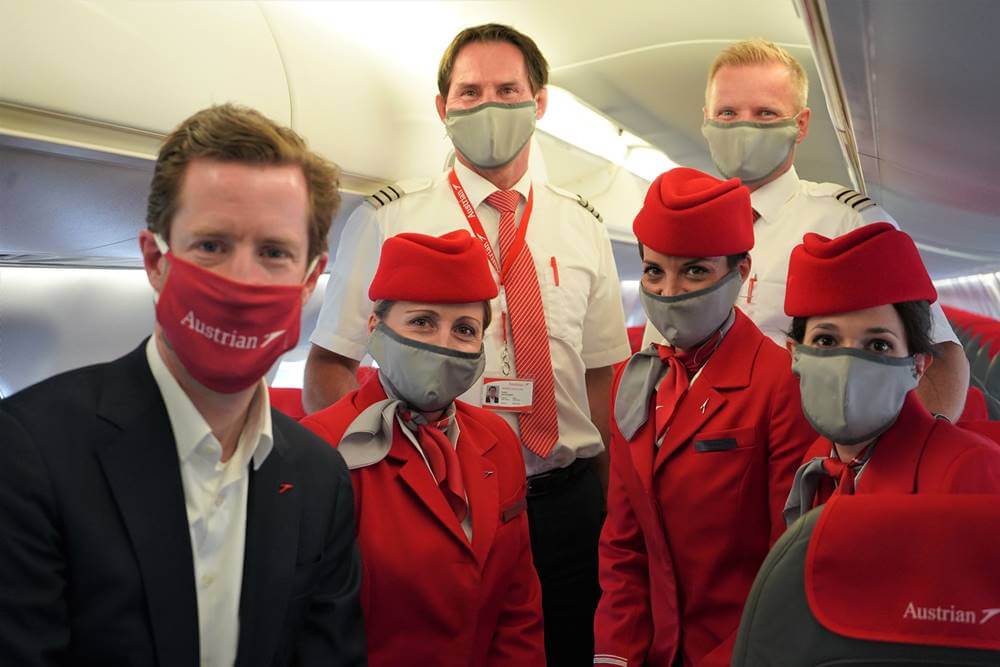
(312,266)
(164,249)
(161,244)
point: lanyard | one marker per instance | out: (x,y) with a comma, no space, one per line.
(477,227)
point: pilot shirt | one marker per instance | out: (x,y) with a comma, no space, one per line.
(215,497)
(788,208)
(577,278)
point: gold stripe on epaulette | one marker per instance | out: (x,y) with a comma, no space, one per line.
(590,207)
(854,199)
(380,198)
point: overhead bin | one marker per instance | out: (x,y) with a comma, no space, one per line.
(132,65)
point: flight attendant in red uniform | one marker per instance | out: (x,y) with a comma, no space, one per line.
(861,332)
(706,436)
(439,485)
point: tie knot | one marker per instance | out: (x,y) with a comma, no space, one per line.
(504,201)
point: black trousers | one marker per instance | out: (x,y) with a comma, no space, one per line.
(565,513)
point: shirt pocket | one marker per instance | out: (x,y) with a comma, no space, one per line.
(565,292)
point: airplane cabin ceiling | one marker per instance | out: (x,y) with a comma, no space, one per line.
(919,78)
(921,82)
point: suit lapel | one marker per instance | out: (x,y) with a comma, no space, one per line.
(729,367)
(479,475)
(415,475)
(270,553)
(894,464)
(641,451)
(143,472)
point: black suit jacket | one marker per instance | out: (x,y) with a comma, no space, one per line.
(95,552)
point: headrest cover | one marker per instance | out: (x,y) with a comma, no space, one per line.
(907,569)
(870,266)
(433,269)
(688,213)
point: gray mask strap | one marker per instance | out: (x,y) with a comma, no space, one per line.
(639,380)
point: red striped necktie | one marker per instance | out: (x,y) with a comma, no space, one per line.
(532,357)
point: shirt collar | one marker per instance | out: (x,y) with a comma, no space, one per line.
(768,199)
(478,188)
(191,429)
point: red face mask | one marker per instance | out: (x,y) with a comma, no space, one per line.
(227,334)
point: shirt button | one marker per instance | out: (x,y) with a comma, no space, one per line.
(207,580)
(219,499)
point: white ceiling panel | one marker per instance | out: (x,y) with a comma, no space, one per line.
(921,85)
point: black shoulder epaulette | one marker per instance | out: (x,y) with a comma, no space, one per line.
(854,199)
(590,207)
(380,198)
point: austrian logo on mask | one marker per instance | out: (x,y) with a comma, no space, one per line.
(228,338)
(226,334)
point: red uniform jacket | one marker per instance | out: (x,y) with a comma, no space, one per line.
(690,522)
(429,597)
(921,454)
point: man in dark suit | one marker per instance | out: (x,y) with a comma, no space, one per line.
(155,510)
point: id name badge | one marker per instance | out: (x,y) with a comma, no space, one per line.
(507,394)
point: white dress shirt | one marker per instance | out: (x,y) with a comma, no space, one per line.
(215,497)
(583,312)
(789,207)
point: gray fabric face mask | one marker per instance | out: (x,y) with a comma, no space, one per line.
(750,151)
(426,377)
(850,396)
(491,134)
(688,319)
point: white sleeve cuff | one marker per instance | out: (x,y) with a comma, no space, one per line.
(338,344)
(607,357)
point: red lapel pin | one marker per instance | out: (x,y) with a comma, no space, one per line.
(285,486)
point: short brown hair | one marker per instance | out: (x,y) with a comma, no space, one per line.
(534,61)
(759,51)
(234,133)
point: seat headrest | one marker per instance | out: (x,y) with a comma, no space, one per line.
(879,579)
(908,569)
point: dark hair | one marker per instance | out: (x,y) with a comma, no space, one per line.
(916,318)
(234,133)
(732,261)
(383,306)
(534,61)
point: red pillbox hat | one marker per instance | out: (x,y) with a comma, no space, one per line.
(688,213)
(433,269)
(870,266)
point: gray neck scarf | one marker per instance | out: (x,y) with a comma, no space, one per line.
(642,375)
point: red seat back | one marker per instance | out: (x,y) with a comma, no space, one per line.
(287,400)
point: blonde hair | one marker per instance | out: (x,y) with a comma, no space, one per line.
(759,51)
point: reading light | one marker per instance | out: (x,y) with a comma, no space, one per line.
(572,121)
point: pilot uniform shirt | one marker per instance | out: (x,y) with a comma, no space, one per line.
(690,520)
(215,498)
(788,208)
(434,591)
(576,273)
